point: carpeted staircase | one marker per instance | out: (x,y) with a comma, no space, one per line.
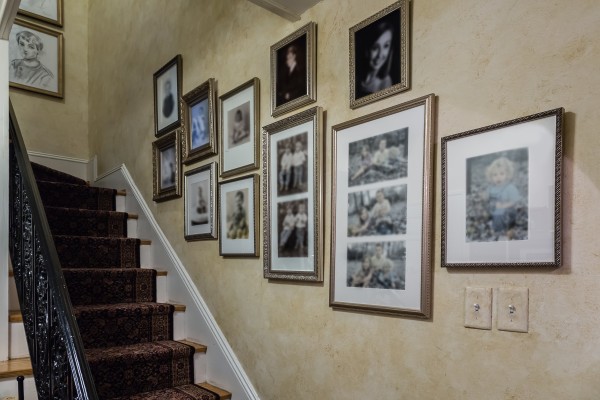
(128,336)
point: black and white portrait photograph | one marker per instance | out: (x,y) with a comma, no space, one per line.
(291,72)
(497,196)
(199,124)
(35,58)
(166,171)
(236,211)
(292,166)
(167,168)
(238,123)
(238,203)
(199,205)
(379,211)
(378,158)
(44,10)
(292,224)
(379,265)
(379,55)
(167,91)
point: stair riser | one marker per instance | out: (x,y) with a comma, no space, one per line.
(77,197)
(98,253)
(110,287)
(18,341)
(75,224)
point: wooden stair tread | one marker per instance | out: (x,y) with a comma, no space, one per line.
(132,216)
(15,367)
(15,316)
(200,348)
(121,192)
(11,273)
(178,307)
(223,394)
(145,242)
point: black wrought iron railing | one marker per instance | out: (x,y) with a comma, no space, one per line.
(59,364)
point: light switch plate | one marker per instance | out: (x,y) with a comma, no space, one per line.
(513,309)
(478,308)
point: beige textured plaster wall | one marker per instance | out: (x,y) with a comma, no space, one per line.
(60,126)
(488,61)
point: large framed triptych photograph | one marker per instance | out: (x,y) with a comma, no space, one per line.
(501,194)
(382,211)
(36,58)
(293,171)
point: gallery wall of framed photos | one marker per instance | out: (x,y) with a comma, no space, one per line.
(488,71)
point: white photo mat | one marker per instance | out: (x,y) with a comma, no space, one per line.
(200,224)
(246,246)
(539,137)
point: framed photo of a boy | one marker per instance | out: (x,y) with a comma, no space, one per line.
(166,167)
(293,213)
(50,11)
(239,113)
(200,205)
(501,194)
(36,58)
(167,92)
(199,123)
(293,70)
(238,205)
(382,211)
(379,55)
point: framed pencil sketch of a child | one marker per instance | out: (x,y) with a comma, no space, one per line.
(50,11)
(293,70)
(382,211)
(200,206)
(239,113)
(199,123)
(379,55)
(167,92)
(293,173)
(36,58)
(238,220)
(501,194)
(166,167)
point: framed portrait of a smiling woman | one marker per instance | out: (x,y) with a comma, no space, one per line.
(35,56)
(379,55)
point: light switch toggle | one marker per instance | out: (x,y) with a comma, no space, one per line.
(511,310)
(476,307)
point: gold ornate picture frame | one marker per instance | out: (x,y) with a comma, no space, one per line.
(200,206)
(199,122)
(167,93)
(49,11)
(293,173)
(294,70)
(166,167)
(382,211)
(380,55)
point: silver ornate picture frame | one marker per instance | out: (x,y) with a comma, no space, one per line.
(199,122)
(501,194)
(382,211)
(294,70)
(166,167)
(167,93)
(380,55)
(200,207)
(292,197)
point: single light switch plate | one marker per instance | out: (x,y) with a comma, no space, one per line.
(478,308)
(513,309)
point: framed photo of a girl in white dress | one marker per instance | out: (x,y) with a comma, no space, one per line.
(36,58)
(200,203)
(379,55)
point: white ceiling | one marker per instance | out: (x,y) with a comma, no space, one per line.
(289,9)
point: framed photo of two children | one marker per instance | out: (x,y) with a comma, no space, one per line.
(501,194)
(382,211)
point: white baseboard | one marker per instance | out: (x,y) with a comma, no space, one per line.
(223,369)
(79,167)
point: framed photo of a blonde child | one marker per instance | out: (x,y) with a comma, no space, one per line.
(379,55)
(501,194)
(50,11)
(238,205)
(200,203)
(382,211)
(239,127)
(293,210)
(199,122)
(36,58)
